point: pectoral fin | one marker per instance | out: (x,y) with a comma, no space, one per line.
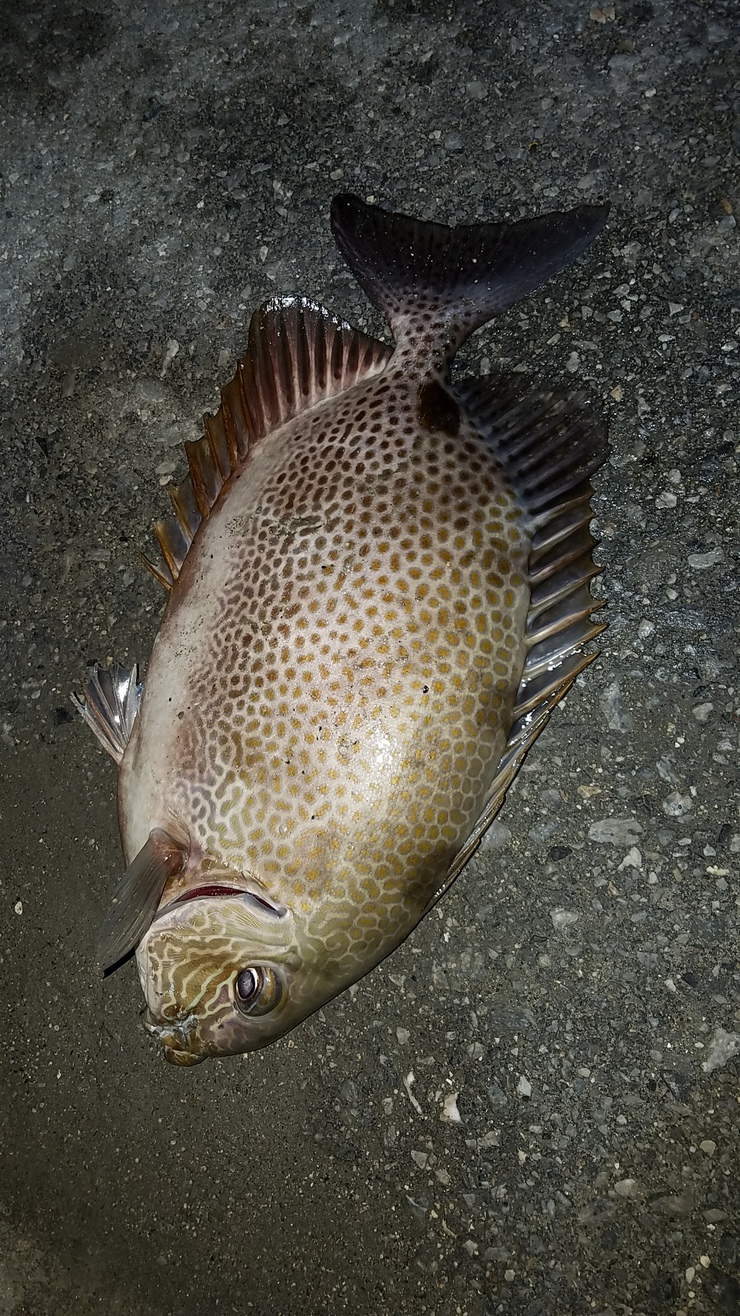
(137,898)
(109,703)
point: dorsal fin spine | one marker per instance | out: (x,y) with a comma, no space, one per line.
(198,470)
(285,356)
(182,497)
(319,360)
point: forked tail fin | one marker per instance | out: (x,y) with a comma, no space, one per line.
(431,279)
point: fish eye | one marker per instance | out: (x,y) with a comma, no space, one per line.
(257,990)
(248,985)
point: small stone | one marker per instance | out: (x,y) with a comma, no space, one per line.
(611,702)
(723,1047)
(509,1275)
(562,918)
(626,1188)
(420,1158)
(558,852)
(524,1087)
(645,629)
(702,712)
(171,350)
(708,1147)
(666,500)
(403,1035)
(18,906)
(450,1113)
(615,831)
(703,561)
(632,859)
(705,1262)
(677,805)
(497,837)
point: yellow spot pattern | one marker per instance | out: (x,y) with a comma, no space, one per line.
(362,602)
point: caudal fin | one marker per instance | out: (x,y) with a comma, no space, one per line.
(455,279)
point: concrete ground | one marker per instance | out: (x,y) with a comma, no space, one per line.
(575,1000)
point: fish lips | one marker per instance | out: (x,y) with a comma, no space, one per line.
(181,1042)
(210,889)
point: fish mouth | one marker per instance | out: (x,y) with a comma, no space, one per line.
(219,889)
(207,890)
(179,1038)
(211,889)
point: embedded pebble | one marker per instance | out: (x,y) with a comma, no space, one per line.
(703,561)
(615,831)
(497,836)
(408,1083)
(171,350)
(563,918)
(702,712)
(632,859)
(403,1035)
(708,1147)
(626,1188)
(677,805)
(645,629)
(666,500)
(524,1087)
(616,717)
(450,1113)
(724,1046)
(666,771)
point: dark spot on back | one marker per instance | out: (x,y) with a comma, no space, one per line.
(436,409)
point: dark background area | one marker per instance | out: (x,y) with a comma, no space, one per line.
(163,169)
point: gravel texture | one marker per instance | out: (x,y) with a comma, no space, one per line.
(532,1107)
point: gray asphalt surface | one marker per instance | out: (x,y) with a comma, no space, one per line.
(575,1001)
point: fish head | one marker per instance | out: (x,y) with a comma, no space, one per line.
(223,973)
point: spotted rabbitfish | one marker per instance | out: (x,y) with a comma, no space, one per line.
(379,589)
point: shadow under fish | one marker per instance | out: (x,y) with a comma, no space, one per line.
(379,589)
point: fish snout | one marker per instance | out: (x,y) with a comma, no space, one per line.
(179,1039)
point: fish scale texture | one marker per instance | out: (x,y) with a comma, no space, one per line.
(331,719)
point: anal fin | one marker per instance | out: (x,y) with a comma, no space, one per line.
(519,743)
(548,445)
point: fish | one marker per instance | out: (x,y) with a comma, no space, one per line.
(379,587)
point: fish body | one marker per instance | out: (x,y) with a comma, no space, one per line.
(379,588)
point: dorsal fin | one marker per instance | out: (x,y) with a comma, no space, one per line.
(297,356)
